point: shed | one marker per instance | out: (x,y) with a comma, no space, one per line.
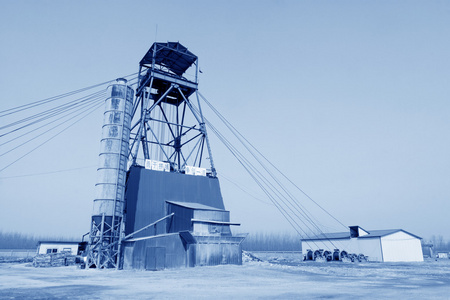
(70,247)
(392,245)
(198,218)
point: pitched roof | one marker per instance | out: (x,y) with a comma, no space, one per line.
(58,242)
(329,236)
(381,233)
(346,235)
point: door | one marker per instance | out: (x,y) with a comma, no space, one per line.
(155,258)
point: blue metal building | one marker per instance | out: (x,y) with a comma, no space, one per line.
(196,231)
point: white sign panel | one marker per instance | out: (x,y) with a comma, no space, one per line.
(157,165)
(195,171)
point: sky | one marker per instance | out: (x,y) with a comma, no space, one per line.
(349,99)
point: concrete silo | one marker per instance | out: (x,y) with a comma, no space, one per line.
(107,215)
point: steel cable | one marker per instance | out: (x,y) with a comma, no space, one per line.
(95,106)
(46,141)
(279,171)
(252,171)
(266,189)
(52,111)
(291,205)
(54,98)
(46,124)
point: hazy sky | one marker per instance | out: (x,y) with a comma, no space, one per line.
(349,98)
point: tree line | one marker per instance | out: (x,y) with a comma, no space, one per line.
(15,240)
(263,241)
(438,242)
(257,241)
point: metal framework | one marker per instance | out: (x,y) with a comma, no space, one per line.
(104,241)
(162,125)
(167,127)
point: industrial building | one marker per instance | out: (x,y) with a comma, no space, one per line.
(158,202)
(394,245)
(196,230)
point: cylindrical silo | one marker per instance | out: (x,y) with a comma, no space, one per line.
(111,173)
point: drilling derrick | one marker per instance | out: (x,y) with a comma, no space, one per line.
(158,202)
(170,128)
(107,216)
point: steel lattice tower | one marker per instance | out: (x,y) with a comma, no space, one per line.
(167,126)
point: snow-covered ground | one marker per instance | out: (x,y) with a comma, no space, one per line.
(279,276)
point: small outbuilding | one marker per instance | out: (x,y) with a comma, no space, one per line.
(392,245)
(73,248)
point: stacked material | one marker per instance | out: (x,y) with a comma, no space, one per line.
(247,257)
(54,260)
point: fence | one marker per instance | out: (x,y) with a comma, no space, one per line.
(18,253)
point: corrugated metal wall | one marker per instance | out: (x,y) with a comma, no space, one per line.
(148,191)
(216,250)
(401,246)
(172,252)
(212,215)
(201,228)
(181,221)
(146,201)
(136,254)
(395,247)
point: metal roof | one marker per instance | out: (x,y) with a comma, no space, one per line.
(172,55)
(193,205)
(188,237)
(381,233)
(329,236)
(346,235)
(58,242)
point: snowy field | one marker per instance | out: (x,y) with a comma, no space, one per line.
(279,276)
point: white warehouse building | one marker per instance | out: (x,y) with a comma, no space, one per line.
(393,245)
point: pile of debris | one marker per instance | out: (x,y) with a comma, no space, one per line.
(248,257)
(55,260)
